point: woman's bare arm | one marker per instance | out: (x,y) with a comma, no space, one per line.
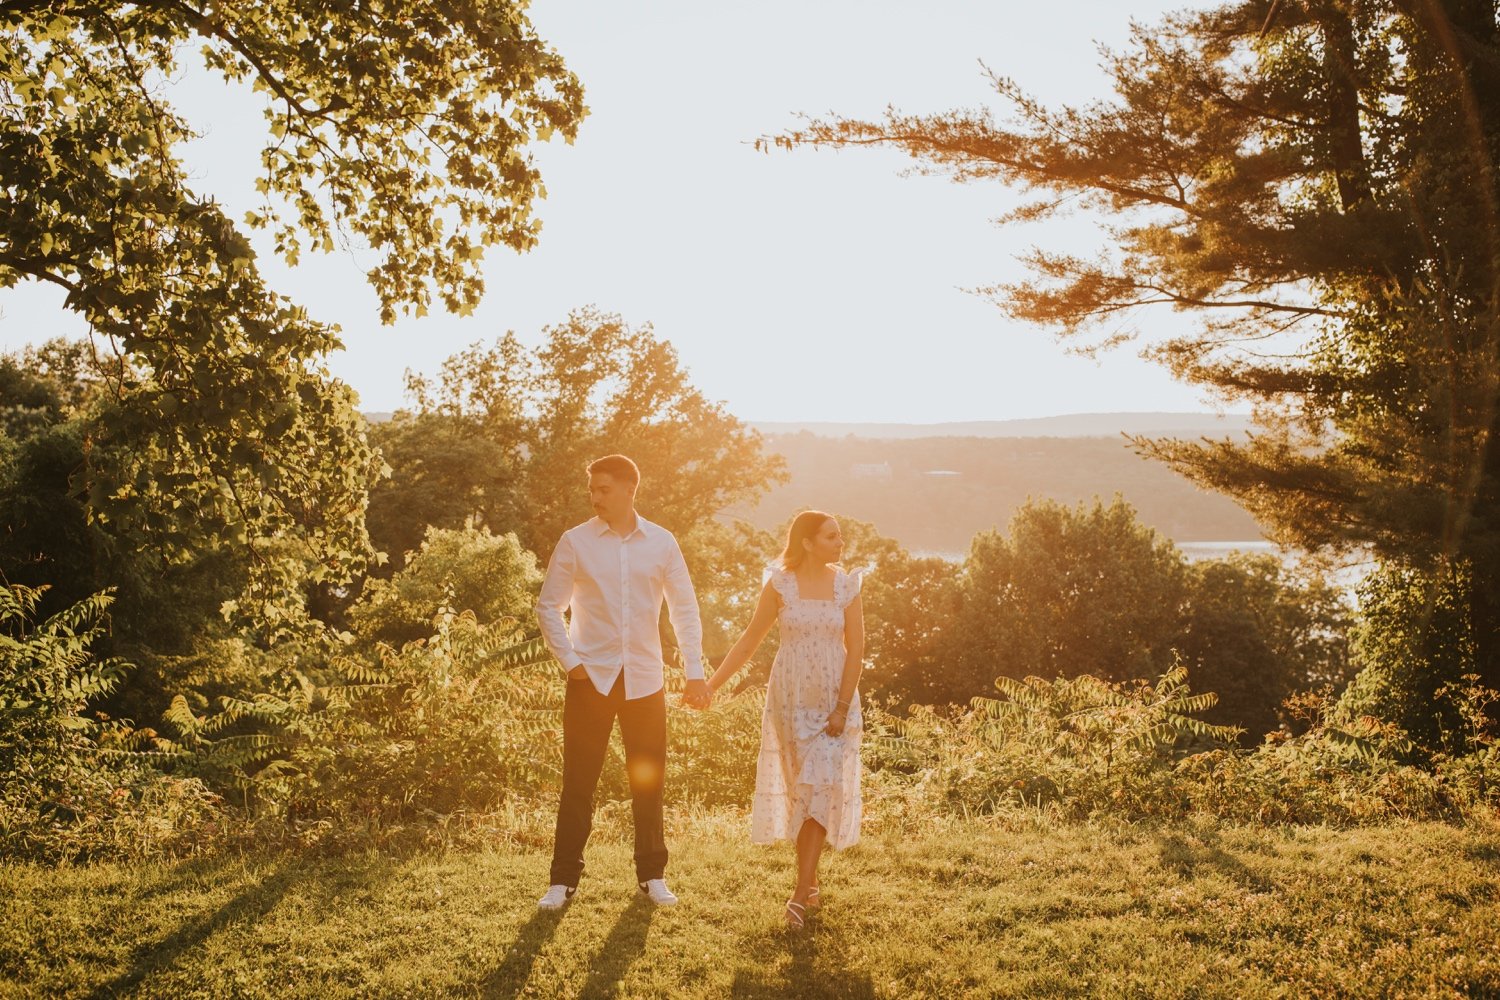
(854,663)
(749,641)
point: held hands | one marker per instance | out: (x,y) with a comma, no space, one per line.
(698,695)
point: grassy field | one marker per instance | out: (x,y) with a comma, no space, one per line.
(965,909)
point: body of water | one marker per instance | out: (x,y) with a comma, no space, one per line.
(1218,550)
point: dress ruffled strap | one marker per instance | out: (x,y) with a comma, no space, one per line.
(849,585)
(780,580)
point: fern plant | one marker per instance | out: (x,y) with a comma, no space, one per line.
(1076,745)
(457,722)
(72,785)
(48,674)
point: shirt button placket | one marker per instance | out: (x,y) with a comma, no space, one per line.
(624,603)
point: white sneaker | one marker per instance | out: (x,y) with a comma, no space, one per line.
(656,890)
(557,897)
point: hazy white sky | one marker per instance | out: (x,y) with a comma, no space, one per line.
(801,286)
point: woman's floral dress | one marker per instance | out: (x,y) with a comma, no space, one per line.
(802,772)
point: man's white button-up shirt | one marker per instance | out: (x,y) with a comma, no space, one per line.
(615,585)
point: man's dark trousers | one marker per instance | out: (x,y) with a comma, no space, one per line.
(588,719)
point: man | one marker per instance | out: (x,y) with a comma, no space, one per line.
(613,571)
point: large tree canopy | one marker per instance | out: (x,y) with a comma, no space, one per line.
(404,126)
(531,420)
(1316,180)
(401,128)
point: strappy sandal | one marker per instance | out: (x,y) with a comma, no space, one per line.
(796,915)
(814,899)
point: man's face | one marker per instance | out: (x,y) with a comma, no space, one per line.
(611,498)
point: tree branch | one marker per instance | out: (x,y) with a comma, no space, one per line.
(204,23)
(1033,172)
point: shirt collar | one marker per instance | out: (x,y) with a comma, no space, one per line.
(601,526)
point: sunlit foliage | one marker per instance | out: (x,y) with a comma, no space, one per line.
(1316,182)
(404,129)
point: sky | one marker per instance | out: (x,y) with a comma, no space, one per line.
(802,286)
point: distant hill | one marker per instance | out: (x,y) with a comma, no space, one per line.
(1068,426)
(932,487)
(936,493)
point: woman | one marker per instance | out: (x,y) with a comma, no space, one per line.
(807,774)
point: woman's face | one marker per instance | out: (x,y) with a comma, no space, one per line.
(828,544)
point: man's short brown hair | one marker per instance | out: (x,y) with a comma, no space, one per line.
(618,467)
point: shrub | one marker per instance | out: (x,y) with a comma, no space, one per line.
(1471,773)
(71,785)
(1413,637)
(1081,747)
(1338,775)
(449,728)
(1075,746)
(455,723)
(710,755)
(466,568)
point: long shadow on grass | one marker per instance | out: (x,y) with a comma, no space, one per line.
(1185,859)
(816,968)
(249,906)
(625,943)
(1483,852)
(507,978)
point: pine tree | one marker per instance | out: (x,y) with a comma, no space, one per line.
(1315,180)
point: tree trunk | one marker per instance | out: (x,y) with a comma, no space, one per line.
(1482,547)
(1484,610)
(1476,23)
(1467,34)
(1339,64)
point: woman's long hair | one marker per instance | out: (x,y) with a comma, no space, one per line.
(805,527)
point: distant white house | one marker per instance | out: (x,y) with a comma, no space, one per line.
(870,470)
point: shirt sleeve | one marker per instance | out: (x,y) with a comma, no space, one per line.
(682,608)
(557,594)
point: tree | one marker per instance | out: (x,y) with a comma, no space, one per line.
(1411,643)
(1255,633)
(404,128)
(727,561)
(911,607)
(468,570)
(46,536)
(595,386)
(1066,591)
(49,406)
(1316,180)
(443,474)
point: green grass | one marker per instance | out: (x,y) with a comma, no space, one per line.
(963,909)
